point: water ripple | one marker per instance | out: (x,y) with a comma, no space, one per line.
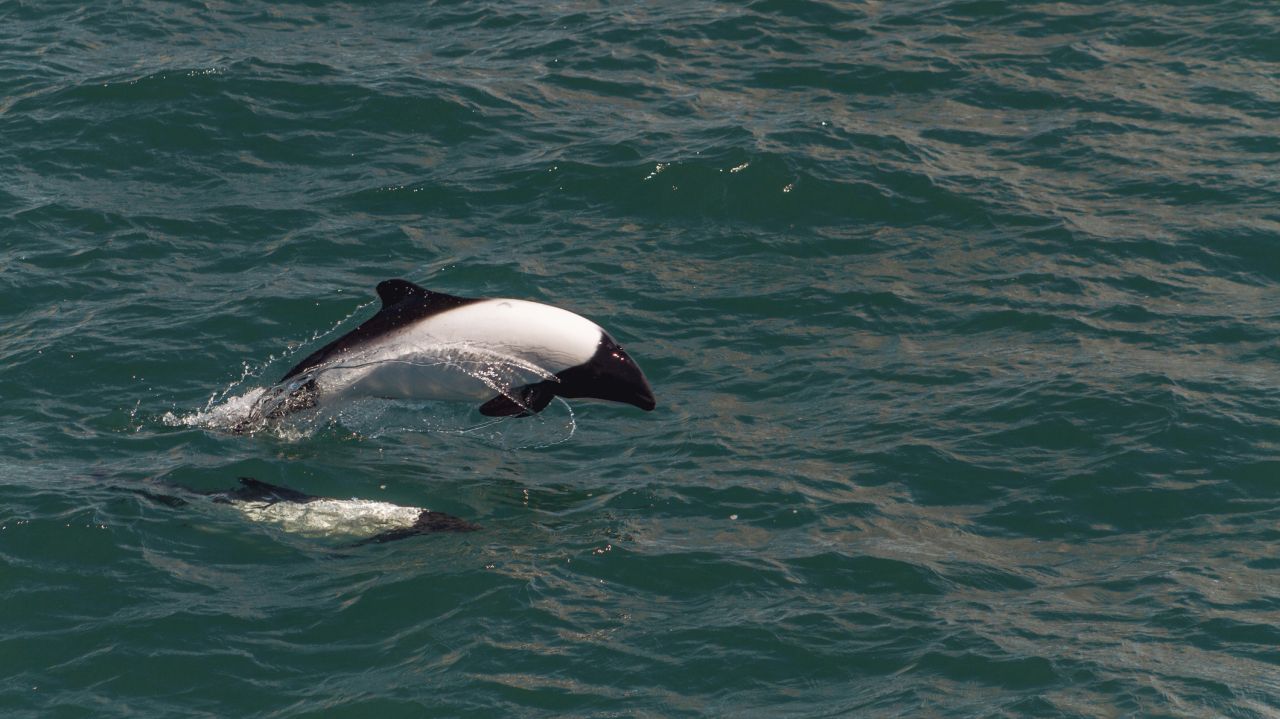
(961,316)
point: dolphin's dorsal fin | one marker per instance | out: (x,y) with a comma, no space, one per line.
(393,292)
(255,490)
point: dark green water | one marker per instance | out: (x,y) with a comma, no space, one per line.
(962,319)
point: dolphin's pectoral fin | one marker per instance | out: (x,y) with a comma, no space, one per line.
(528,400)
(502,406)
(428,522)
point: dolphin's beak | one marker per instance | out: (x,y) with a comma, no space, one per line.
(633,385)
(644,397)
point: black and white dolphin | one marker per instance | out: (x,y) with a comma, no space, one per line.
(514,356)
(366,521)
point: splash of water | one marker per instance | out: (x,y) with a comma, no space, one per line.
(284,412)
(253,370)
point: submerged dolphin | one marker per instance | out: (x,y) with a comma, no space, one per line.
(368,521)
(515,356)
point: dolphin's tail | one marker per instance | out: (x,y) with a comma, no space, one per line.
(278,402)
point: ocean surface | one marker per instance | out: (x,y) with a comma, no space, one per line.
(961,316)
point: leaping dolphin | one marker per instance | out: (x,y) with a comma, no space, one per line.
(515,356)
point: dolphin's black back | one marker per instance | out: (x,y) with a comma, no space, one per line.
(403,303)
(254,490)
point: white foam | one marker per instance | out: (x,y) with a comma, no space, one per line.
(218,416)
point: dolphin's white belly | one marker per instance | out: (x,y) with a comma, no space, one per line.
(409,376)
(471,353)
(546,336)
(332,517)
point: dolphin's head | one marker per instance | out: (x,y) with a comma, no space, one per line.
(611,375)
